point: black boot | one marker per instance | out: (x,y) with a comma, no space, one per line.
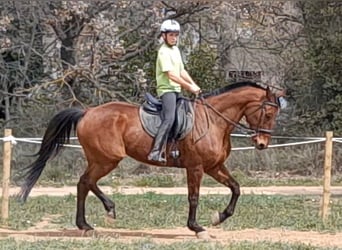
(158,151)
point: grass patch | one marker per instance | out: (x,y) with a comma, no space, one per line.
(261,180)
(168,211)
(155,181)
(179,180)
(10,244)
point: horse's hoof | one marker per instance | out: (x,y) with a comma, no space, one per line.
(84,227)
(215,219)
(111,214)
(203,235)
(109,220)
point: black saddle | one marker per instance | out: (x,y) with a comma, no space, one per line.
(150,111)
(152,105)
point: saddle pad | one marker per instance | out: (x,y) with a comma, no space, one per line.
(184,121)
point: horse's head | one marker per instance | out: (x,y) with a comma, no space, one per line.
(261,117)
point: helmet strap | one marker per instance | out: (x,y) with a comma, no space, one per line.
(165,40)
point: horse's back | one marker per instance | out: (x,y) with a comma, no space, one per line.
(114,106)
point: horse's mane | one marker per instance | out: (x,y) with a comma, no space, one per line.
(231,87)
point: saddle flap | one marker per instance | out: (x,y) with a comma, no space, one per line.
(150,119)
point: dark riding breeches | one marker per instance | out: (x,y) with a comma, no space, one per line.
(169,101)
(168,115)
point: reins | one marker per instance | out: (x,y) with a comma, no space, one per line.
(239,125)
(207,119)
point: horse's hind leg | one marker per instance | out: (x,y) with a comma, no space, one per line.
(221,174)
(88,182)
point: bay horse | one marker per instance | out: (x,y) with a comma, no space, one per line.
(112,131)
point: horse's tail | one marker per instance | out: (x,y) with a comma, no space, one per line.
(56,134)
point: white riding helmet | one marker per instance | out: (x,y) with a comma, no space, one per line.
(170,25)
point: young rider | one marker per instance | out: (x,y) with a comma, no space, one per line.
(171,79)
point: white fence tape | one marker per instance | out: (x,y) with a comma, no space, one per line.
(10,138)
(285,137)
(14,140)
(35,139)
(308,140)
(339,140)
(283,145)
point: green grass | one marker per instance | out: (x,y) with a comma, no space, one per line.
(156,181)
(177,178)
(168,211)
(100,244)
(260,181)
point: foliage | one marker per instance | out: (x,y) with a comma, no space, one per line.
(86,53)
(319,91)
(203,67)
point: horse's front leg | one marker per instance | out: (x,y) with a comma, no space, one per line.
(194,177)
(221,174)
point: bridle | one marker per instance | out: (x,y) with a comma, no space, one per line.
(263,105)
(241,126)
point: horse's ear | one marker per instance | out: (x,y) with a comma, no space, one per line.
(269,93)
(281,93)
(278,93)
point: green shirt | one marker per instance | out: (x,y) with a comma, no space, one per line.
(169,59)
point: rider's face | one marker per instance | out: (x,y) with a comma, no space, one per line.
(171,38)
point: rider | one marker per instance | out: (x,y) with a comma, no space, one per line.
(171,79)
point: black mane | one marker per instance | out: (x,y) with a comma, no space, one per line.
(231,87)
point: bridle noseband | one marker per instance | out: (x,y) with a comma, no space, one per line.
(262,107)
(241,126)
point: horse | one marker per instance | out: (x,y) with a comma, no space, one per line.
(112,131)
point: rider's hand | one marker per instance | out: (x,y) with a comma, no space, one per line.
(195,89)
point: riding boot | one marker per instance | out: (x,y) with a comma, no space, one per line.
(158,151)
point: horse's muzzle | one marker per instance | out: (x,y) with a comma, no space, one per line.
(260,141)
(261,146)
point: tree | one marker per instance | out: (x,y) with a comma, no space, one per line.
(323,29)
(77,53)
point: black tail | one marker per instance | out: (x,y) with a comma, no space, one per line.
(57,133)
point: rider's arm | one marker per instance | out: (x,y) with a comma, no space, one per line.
(185,75)
(166,65)
(181,81)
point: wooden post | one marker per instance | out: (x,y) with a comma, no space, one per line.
(6,175)
(327,175)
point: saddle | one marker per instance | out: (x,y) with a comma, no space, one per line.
(150,111)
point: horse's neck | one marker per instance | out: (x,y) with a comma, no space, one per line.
(231,106)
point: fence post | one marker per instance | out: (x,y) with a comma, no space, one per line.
(6,175)
(327,175)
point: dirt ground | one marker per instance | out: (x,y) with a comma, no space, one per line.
(270,190)
(39,231)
